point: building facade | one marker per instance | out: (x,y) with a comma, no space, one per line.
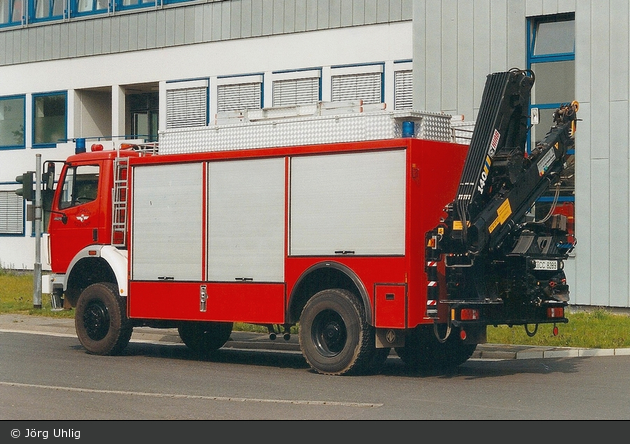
(579,50)
(126,69)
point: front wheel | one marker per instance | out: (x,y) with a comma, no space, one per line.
(101,321)
(335,337)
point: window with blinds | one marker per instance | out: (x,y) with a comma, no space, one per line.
(364,86)
(291,92)
(235,97)
(403,90)
(11,213)
(187,104)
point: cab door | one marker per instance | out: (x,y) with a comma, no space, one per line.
(76,217)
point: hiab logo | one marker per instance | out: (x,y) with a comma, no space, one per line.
(495,143)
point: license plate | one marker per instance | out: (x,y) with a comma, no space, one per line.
(544,264)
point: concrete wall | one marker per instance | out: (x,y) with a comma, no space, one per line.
(602,187)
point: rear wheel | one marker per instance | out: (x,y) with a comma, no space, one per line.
(335,337)
(101,320)
(423,351)
(205,337)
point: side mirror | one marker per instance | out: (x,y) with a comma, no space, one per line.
(62,216)
(48,177)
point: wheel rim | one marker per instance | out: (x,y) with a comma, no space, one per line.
(329,333)
(96,320)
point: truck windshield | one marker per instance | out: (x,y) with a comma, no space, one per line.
(80,185)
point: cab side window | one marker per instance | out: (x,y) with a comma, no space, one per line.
(80,186)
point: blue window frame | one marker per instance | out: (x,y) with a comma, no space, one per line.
(43,10)
(49,119)
(11,12)
(551,56)
(12,122)
(86,7)
(20,12)
(131,4)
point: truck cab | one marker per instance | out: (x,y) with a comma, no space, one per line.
(80,222)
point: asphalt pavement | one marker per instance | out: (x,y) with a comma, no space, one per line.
(43,325)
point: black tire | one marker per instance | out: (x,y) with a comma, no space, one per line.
(205,337)
(101,320)
(335,337)
(423,351)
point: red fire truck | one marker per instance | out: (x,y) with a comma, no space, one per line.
(325,221)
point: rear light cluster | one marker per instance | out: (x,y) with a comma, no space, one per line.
(555,312)
(469,314)
(466,314)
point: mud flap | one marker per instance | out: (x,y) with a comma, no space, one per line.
(388,337)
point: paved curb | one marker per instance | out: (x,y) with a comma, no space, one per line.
(260,341)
